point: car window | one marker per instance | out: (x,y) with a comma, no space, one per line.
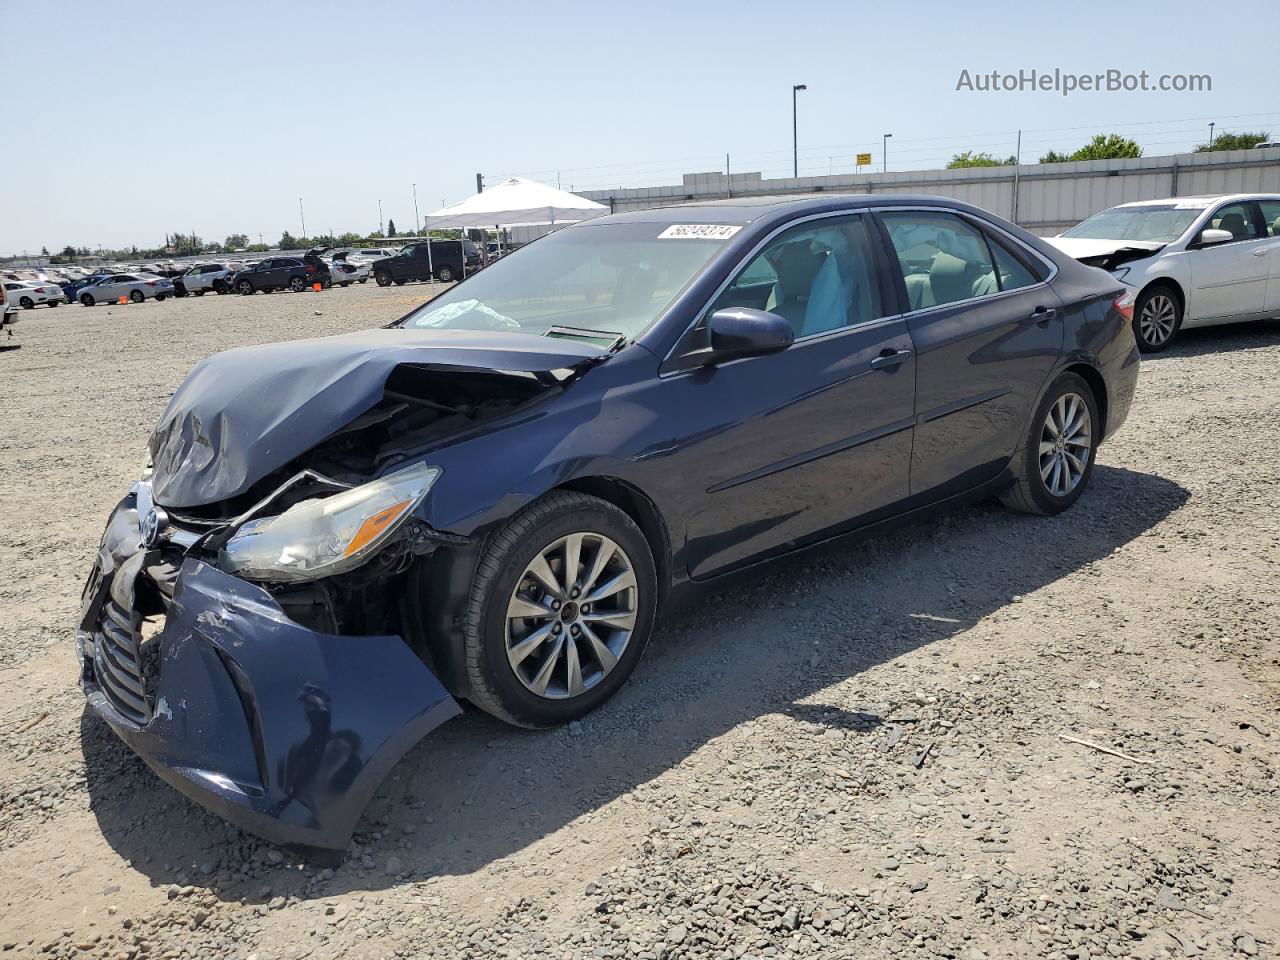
(610,279)
(1239,220)
(943,259)
(1010,271)
(819,276)
(1270,217)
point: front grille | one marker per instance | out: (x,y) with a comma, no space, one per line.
(117,661)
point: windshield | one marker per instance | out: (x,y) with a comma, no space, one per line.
(1154,224)
(612,279)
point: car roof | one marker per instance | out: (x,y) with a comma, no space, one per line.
(744,210)
(1198,201)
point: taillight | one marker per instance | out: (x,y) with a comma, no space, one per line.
(151,283)
(311,268)
(1123,304)
(39,289)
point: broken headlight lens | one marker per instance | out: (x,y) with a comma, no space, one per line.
(318,538)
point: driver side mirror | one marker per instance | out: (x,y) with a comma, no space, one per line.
(1210,236)
(746,332)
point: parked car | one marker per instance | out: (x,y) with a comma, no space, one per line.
(348,270)
(29,294)
(1190,261)
(282,273)
(204,277)
(71,291)
(417,261)
(112,287)
(492,499)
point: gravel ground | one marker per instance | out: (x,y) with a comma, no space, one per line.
(862,754)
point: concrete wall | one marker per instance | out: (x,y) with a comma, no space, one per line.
(1049,197)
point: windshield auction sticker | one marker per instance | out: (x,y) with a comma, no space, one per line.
(698,231)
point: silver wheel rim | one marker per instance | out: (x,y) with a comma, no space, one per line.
(1065,442)
(1157,319)
(571,616)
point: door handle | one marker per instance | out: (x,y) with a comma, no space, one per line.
(889,359)
(1042,315)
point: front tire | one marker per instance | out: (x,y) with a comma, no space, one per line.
(26,303)
(561,608)
(1054,463)
(86,300)
(245,288)
(297,284)
(1157,318)
(382,278)
(445,274)
(137,296)
(220,287)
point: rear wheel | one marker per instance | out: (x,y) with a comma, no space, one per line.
(561,608)
(245,287)
(26,303)
(346,283)
(1055,461)
(160,297)
(382,278)
(220,287)
(199,293)
(445,274)
(86,300)
(53,303)
(1157,318)
(136,296)
(297,284)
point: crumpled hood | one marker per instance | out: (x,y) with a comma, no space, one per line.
(1081,248)
(246,412)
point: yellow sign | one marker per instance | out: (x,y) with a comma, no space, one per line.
(864,158)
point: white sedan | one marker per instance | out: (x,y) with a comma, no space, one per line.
(348,270)
(1190,261)
(111,288)
(29,294)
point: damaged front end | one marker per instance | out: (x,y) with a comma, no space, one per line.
(241,629)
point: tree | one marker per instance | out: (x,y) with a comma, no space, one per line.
(1234,141)
(391,228)
(235,241)
(44,251)
(970,159)
(68,251)
(288,241)
(256,248)
(348,238)
(1104,146)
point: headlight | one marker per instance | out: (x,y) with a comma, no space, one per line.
(318,538)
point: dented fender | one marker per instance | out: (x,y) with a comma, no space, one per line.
(285,731)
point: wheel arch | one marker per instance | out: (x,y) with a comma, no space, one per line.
(637,505)
(1098,384)
(437,586)
(1174,286)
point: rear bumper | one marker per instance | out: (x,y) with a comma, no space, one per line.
(282,730)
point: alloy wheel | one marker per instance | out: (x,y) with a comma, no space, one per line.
(571,615)
(1156,321)
(1065,444)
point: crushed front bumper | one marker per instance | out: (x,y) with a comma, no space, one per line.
(282,730)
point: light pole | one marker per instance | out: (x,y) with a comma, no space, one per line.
(380,216)
(795,130)
(1211,136)
(417,222)
(884,152)
(304,218)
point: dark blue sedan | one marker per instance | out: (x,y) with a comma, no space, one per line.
(491,499)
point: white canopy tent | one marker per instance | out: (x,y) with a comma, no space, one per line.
(515,201)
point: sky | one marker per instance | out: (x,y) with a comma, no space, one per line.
(218,118)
